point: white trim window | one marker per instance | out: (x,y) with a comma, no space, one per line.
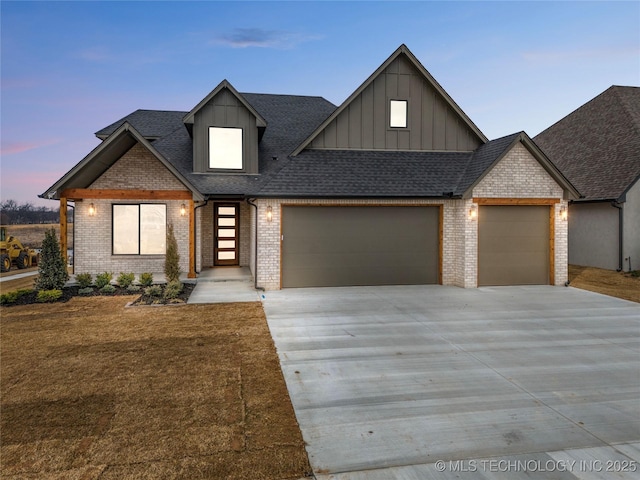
(398,113)
(140,229)
(225,148)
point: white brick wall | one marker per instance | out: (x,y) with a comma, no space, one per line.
(93,242)
(137,169)
(519,175)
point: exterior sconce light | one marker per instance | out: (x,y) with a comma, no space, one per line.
(473,211)
(269,214)
(183,210)
(564,213)
(92,210)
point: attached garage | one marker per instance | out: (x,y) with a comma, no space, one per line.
(514,245)
(345,246)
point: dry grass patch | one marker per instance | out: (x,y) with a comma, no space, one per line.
(32,235)
(93,390)
(608,282)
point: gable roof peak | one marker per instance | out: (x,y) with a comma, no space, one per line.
(401,50)
(224,84)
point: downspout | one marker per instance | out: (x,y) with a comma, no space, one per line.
(195,234)
(255,256)
(619,206)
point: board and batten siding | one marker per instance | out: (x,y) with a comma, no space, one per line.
(432,123)
(225,110)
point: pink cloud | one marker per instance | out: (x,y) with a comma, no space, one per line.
(11,148)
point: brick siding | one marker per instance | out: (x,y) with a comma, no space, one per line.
(519,175)
(137,169)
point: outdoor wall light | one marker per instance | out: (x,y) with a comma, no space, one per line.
(473,211)
(564,213)
(269,214)
(183,210)
(92,210)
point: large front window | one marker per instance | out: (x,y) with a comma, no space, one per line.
(225,148)
(139,229)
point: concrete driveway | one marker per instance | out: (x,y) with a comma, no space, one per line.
(442,382)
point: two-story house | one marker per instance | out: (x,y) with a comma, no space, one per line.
(394,186)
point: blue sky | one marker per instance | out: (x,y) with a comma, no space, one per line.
(70,68)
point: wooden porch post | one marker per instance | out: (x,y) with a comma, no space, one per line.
(63,228)
(192,241)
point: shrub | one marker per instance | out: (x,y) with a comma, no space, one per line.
(635,273)
(172,258)
(49,295)
(133,288)
(85,291)
(12,297)
(103,279)
(84,280)
(108,289)
(153,291)
(146,279)
(125,279)
(52,271)
(172,289)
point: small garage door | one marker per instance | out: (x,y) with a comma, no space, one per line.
(513,245)
(343,246)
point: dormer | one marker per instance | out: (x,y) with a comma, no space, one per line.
(225,130)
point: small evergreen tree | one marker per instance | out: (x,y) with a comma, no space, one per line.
(52,269)
(172,258)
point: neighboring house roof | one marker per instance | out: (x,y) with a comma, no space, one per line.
(597,147)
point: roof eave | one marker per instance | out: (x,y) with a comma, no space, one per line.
(84,166)
(570,192)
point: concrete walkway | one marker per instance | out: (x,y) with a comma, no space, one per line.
(224,285)
(16,276)
(433,382)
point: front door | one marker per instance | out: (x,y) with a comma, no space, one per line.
(226,232)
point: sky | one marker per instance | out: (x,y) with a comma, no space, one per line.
(68,69)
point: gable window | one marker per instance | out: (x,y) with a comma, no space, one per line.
(139,229)
(398,114)
(225,148)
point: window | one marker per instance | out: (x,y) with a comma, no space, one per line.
(398,114)
(139,229)
(225,148)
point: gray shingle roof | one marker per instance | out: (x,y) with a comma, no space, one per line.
(597,147)
(315,173)
(348,173)
(151,124)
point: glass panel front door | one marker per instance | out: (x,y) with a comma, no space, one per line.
(225,250)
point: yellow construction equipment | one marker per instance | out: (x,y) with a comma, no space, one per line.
(12,252)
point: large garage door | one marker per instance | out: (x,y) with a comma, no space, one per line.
(342,246)
(513,245)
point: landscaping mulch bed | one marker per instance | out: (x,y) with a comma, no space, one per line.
(70,292)
(93,390)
